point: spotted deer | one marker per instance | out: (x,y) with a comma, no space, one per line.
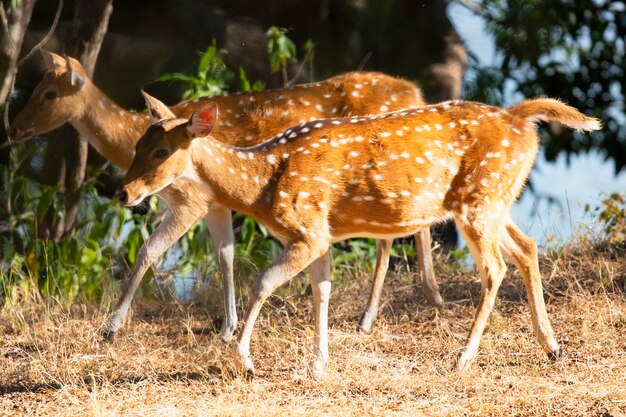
(378,176)
(66,94)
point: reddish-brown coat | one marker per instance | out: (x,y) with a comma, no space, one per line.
(374,175)
(380,176)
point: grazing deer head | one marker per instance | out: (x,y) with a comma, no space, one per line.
(54,100)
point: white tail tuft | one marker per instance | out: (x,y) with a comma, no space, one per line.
(551,110)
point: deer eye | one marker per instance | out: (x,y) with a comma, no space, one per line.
(50,95)
(160,154)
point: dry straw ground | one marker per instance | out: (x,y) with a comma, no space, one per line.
(168,361)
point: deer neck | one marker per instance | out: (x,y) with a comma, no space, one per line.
(238,178)
(111,130)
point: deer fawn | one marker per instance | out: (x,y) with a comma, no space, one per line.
(67,95)
(378,176)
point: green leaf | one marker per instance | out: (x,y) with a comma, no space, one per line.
(207,57)
(244,84)
(309,50)
(174,77)
(45,202)
(258,86)
(280,48)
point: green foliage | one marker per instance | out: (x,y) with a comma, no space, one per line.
(106,236)
(612,215)
(255,245)
(353,253)
(574,50)
(244,83)
(280,48)
(211,76)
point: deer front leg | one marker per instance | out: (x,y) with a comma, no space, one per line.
(219,222)
(319,272)
(383,249)
(294,258)
(173,226)
(425,260)
(428,281)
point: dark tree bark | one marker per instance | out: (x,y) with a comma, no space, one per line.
(17,20)
(14,24)
(66,158)
(436,57)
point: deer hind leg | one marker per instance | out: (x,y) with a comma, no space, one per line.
(383,249)
(425,260)
(522,251)
(319,272)
(483,244)
(219,223)
(169,231)
(294,258)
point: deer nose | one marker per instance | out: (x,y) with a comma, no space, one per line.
(12,132)
(121,195)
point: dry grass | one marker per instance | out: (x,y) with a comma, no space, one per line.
(168,360)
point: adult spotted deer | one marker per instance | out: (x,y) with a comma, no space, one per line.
(378,176)
(66,94)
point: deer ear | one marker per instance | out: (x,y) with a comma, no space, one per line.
(52,60)
(75,72)
(203,121)
(158,110)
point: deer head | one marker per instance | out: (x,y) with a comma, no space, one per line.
(162,153)
(59,97)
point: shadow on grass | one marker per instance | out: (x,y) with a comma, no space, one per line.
(95,380)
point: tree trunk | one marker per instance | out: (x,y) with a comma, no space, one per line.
(17,20)
(69,154)
(11,44)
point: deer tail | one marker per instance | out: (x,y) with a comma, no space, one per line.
(551,110)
